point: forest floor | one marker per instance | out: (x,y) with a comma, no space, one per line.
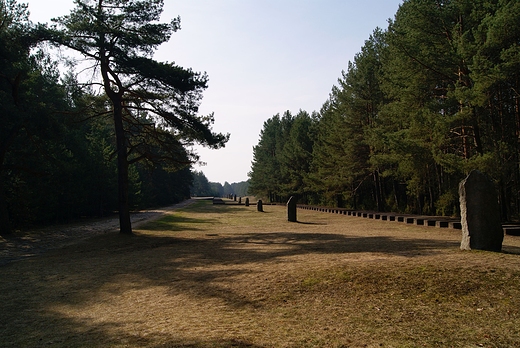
(228,276)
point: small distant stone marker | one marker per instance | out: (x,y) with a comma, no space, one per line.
(259,206)
(291,209)
(480,214)
(247,201)
(239,200)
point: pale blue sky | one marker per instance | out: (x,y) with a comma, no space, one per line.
(263,57)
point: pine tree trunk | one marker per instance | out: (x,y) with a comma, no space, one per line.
(125,225)
(378,191)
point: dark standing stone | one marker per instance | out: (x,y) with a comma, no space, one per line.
(247,201)
(291,209)
(480,214)
(239,200)
(234,198)
(259,206)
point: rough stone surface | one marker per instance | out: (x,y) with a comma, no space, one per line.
(259,205)
(291,209)
(480,214)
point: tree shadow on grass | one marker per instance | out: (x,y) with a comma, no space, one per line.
(199,268)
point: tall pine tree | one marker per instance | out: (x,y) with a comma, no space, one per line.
(120,37)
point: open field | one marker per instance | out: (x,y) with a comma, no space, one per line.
(229,276)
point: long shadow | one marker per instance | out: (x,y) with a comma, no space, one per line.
(182,265)
(310,223)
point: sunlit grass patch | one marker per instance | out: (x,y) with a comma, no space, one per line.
(175,222)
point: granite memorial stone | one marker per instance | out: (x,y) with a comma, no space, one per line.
(480,214)
(291,209)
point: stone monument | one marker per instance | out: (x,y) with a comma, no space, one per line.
(247,201)
(480,214)
(291,209)
(259,206)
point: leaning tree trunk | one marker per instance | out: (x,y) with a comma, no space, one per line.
(116,97)
(125,225)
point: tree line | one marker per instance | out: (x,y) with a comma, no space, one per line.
(202,187)
(118,140)
(424,102)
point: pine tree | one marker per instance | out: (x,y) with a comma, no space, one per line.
(120,37)
(341,158)
(265,168)
(266,177)
(296,156)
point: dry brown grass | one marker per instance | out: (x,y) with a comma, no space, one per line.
(228,276)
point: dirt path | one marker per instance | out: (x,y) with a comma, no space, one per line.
(30,243)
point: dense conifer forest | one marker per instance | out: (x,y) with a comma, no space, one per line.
(426,100)
(120,140)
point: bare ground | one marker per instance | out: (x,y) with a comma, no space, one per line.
(32,242)
(228,276)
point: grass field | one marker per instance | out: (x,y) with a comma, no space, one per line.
(229,276)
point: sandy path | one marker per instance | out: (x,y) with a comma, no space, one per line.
(23,244)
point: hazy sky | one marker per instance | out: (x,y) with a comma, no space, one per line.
(263,57)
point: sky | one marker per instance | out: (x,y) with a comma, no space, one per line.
(263,57)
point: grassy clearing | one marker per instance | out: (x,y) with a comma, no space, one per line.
(228,276)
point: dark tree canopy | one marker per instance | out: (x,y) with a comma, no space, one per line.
(29,96)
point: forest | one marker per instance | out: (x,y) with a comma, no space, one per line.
(426,100)
(202,187)
(74,147)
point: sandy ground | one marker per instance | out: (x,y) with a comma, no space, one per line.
(24,244)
